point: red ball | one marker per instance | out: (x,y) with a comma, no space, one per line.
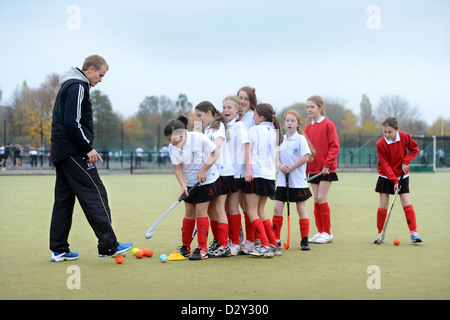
(120,259)
(149,253)
(139,254)
(396,242)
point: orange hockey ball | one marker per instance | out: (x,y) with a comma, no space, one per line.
(396,242)
(139,254)
(120,259)
(149,253)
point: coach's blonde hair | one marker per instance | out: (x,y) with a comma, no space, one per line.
(95,61)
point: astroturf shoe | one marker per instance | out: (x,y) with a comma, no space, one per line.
(314,237)
(324,238)
(57,257)
(276,250)
(248,247)
(262,251)
(185,251)
(304,244)
(121,249)
(214,245)
(415,237)
(377,238)
(199,254)
(235,249)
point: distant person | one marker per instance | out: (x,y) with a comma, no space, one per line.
(441,156)
(139,152)
(33,157)
(75,159)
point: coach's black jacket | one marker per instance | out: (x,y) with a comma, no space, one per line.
(72,125)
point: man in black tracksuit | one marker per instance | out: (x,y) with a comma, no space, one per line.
(74,159)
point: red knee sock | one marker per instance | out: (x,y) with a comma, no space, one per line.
(410,216)
(260,231)
(325,215)
(318,217)
(214,228)
(304,227)
(222,234)
(381,218)
(249,232)
(277,223)
(188,229)
(234,221)
(269,232)
(202,232)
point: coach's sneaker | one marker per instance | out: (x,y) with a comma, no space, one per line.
(121,249)
(304,244)
(415,237)
(324,238)
(199,254)
(57,257)
(314,237)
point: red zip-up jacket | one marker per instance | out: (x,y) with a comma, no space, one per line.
(391,155)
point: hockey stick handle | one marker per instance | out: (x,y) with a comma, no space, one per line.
(314,177)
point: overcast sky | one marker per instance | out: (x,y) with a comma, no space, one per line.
(287,49)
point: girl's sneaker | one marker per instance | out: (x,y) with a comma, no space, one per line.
(199,254)
(314,237)
(235,249)
(262,251)
(248,247)
(415,237)
(185,251)
(304,244)
(377,238)
(58,257)
(324,238)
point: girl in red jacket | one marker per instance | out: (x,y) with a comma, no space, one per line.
(323,136)
(394,160)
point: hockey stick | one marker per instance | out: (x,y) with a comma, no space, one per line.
(314,176)
(149,233)
(286,245)
(383,232)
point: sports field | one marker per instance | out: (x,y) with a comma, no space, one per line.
(351,267)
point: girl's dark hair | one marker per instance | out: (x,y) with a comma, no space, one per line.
(181,122)
(251,95)
(391,122)
(266,111)
(206,106)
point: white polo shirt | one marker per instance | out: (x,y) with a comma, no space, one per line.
(263,145)
(224,163)
(236,145)
(193,157)
(292,149)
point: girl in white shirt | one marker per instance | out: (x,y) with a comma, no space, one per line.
(239,150)
(248,100)
(215,129)
(295,152)
(193,156)
(264,139)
